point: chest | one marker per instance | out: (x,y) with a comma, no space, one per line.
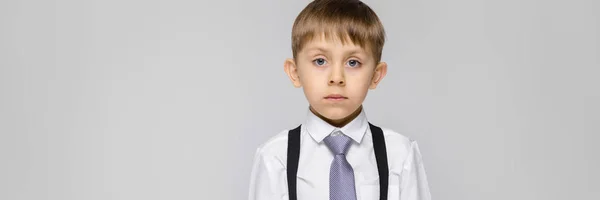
(314,168)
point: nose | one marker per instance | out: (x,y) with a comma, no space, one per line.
(337,76)
(334,82)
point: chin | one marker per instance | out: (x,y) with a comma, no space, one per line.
(334,113)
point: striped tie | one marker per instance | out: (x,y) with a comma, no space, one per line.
(341,175)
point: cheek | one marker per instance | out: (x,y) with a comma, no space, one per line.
(312,86)
(358,87)
(312,77)
(359,80)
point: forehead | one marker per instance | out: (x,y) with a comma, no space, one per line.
(322,42)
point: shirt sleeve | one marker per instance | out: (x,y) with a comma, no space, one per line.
(266,180)
(414,184)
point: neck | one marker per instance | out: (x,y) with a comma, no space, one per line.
(338,122)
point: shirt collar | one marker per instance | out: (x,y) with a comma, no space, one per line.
(318,129)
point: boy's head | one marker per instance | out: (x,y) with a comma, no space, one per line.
(336,47)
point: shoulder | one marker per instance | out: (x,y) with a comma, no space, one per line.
(398,145)
(275,147)
(395,138)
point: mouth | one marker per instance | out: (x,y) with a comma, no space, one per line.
(335,97)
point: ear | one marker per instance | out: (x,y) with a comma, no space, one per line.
(380,72)
(292,71)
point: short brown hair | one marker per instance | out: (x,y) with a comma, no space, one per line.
(346,19)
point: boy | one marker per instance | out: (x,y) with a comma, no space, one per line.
(336,153)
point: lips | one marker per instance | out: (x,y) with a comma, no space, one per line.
(335,97)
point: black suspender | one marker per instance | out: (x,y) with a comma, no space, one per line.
(381,157)
(293,156)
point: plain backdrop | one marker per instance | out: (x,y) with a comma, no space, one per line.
(169,99)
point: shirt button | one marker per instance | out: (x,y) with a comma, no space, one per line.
(336,133)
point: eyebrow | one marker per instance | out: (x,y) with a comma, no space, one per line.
(321,49)
(317,49)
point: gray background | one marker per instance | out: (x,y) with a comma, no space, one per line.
(132,99)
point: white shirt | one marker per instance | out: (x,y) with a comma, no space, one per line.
(407,178)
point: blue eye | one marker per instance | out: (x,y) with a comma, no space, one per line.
(353,63)
(319,61)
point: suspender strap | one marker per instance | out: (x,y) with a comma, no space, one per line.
(293,155)
(381,157)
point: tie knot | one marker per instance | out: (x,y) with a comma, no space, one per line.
(338,144)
